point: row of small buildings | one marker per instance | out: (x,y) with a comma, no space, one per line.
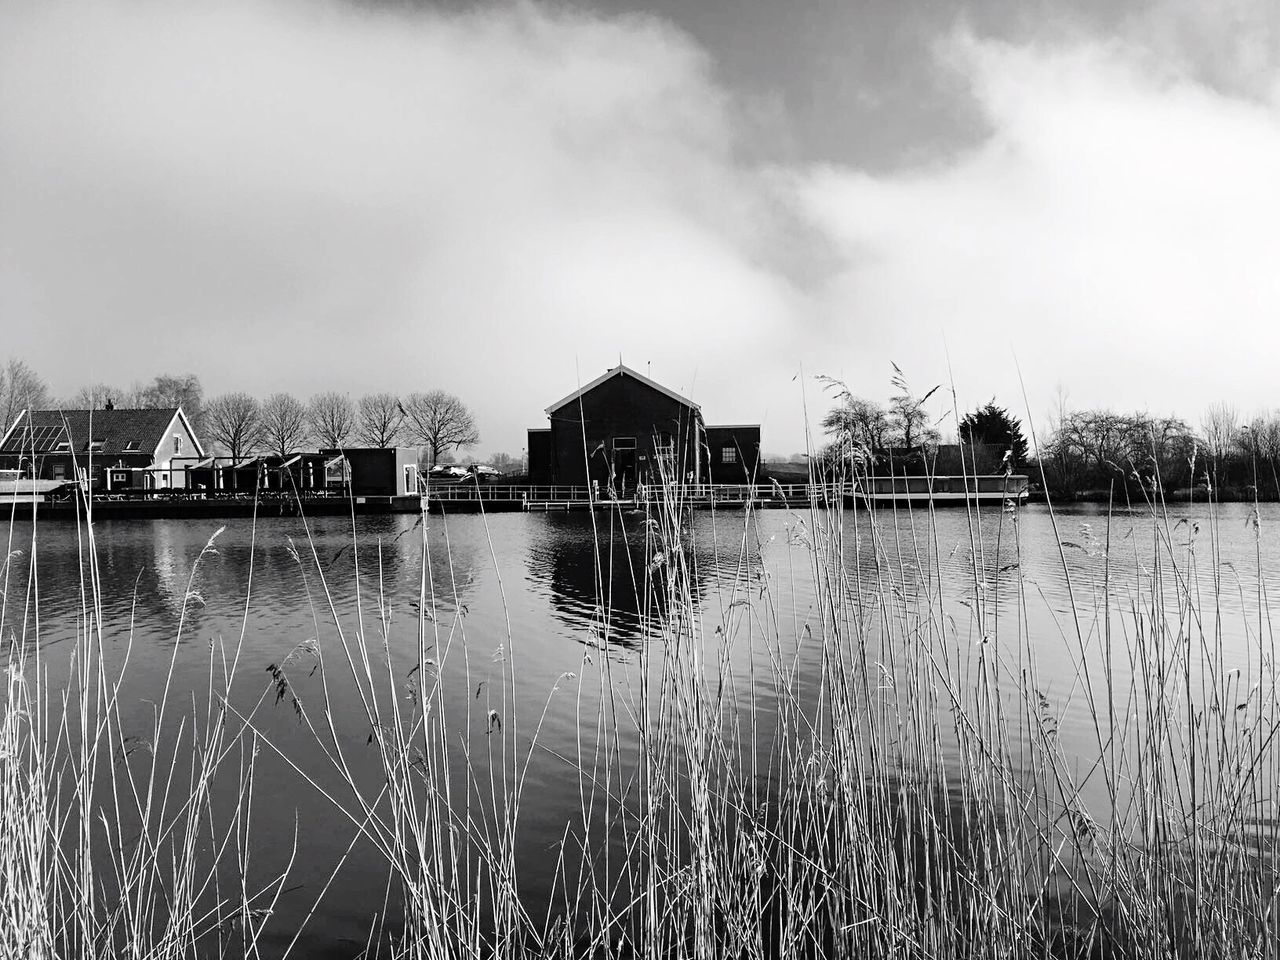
(616,433)
(137,451)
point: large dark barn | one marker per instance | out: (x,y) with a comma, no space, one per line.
(623,429)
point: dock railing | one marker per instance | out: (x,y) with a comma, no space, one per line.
(914,488)
(688,493)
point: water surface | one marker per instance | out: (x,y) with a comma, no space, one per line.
(540,621)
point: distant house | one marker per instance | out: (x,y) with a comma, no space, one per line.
(112,449)
(623,429)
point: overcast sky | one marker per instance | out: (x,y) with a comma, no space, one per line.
(501,200)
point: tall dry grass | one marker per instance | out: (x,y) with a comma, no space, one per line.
(111,844)
(880,772)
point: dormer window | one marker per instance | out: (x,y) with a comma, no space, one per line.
(95,446)
(131,446)
(63,446)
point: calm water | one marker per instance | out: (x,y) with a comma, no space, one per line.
(541,581)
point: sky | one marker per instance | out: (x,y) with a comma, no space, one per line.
(1044,203)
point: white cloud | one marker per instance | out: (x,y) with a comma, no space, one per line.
(303,196)
(298,195)
(1117,232)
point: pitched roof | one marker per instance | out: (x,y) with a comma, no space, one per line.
(118,431)
(621,371)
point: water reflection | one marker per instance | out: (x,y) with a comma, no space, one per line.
(604,571)
(556,585)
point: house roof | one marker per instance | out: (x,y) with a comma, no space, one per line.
(621,371)
(132,432)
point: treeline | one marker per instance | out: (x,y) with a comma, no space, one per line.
(435,420)
(1083,453)
(1096,450)
(241,424)
(903,438)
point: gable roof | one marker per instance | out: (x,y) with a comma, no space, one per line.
(133,432)
(621,371)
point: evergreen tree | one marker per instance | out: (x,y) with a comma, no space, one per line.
(996,427)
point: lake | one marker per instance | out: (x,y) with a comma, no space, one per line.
(542,641)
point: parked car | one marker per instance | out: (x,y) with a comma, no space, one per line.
(448,471)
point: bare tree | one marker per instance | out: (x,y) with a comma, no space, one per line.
(20,388)
(379,418)
(332,417)
(284,423)
(505,463)
(1219,426)
(95,396)
(857,423)
(907,414)
(1266,428)
(166,390)
(1258,447)
(440,421)
(234,420)
(176,390)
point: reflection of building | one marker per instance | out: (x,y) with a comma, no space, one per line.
(113,449)
(623,428)
(596,577)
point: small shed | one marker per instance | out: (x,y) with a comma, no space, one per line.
(374,471)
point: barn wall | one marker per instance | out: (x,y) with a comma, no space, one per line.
(734,453)
(623,407)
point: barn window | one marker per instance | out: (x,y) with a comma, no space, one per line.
(177,445)
(728,455)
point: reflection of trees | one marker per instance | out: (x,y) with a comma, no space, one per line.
(387,549)
(144,569)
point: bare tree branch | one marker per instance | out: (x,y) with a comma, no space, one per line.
(233,420)
(21,388)
(284,423)
(440,421)
(332,417)
(379,418)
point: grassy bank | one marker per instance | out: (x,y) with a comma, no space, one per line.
(888,775)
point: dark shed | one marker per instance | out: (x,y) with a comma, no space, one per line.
(623,429)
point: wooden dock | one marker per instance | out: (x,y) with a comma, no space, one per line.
(471,497)
(879,491)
